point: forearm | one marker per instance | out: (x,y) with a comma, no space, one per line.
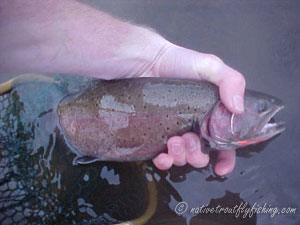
(70,37)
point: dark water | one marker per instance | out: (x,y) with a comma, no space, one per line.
(260,39)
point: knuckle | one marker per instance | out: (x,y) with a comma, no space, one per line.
(209,66)
(238,76)
(179,163)
(175,139)
(239,79)
(198,164)
(189,136)
(234,77)
(206,161)
(213,58)
(242,79)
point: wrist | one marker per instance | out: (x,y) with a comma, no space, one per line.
(142,49)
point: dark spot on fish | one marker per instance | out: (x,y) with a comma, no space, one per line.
(167,115)
(168,128)
(145,107)
(160,124)
(129,97)
(162,136)
(177,123)
(188,107)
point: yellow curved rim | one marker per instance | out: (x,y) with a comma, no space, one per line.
(152,196)
(6,86)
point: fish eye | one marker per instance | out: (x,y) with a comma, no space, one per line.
(261,106)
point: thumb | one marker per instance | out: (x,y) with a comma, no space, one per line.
(178,62)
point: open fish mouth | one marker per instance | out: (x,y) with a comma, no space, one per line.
(268,129)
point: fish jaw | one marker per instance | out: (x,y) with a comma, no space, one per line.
(267,129)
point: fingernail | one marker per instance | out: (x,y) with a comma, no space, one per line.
(177,149)
(238,103)
(192,145)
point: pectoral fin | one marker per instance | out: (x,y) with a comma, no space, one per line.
(82,160)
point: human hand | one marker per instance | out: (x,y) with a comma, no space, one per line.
(184,63)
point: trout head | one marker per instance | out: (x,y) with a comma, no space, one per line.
(225,130)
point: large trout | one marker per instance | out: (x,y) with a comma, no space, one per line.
(132,119)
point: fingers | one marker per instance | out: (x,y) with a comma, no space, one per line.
(187,149)
(232,90)
(176,149)
(184,63)
(194,156)
(163,161)
(182,150)
(231,83)
(225,163)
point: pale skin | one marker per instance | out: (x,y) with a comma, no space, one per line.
(70,37)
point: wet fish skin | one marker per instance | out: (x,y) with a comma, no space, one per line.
(131,120)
